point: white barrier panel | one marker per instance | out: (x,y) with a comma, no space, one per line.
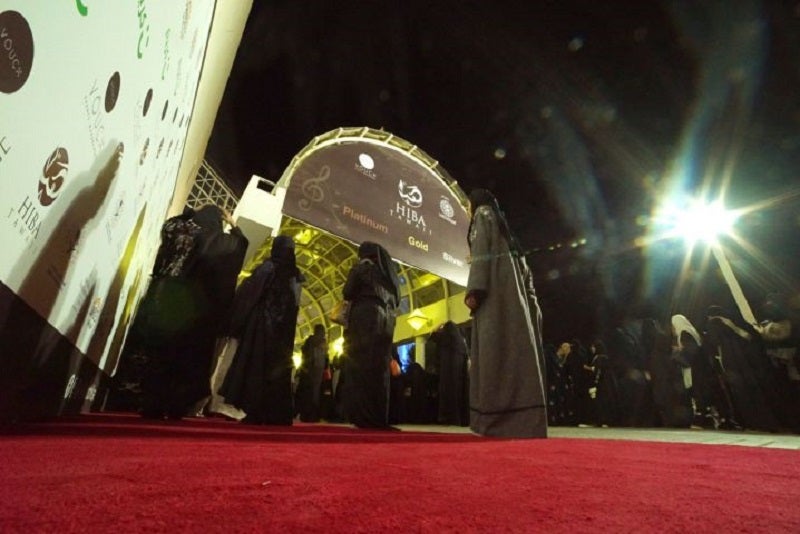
(95,102)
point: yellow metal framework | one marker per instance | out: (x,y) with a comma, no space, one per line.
(325,259)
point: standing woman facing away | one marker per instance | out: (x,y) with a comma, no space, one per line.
(264,320)
(506,393)
(373,288)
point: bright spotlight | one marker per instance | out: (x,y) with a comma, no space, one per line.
(337,346)
(698,222)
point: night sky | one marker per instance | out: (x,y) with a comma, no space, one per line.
(580,116)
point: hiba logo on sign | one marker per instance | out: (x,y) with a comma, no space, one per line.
(53,175)
(411,195)
(366,166)
(16,51)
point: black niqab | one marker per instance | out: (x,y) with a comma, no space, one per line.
(209,218)
(483,197)
(381,257)
(283,256)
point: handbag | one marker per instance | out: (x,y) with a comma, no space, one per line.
(340,313)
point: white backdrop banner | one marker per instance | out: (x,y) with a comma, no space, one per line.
(95,102)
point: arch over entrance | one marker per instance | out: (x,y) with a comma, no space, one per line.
(369,185)
(359,184)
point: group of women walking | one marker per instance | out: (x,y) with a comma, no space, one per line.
(506,396)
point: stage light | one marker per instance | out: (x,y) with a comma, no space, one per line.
(699,221)
(337,346)
(297,359)
(706,222)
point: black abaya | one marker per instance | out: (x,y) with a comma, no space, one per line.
(259,380)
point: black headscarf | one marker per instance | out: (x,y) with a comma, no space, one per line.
(482,197)
(283,256)
(381,257)
(209,218)
(188,213)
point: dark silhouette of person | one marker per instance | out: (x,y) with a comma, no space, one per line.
(312,367)
(507,397)
(188,304)
(742,366)
(373,288)
(451,348)
(605,383)
(264,320)
(628,357)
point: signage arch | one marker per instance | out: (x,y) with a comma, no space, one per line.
(363,184)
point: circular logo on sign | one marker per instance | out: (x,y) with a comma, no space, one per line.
(53,175)
(16,51)
(112,92)
(446,208)
(366,161)
(147,99)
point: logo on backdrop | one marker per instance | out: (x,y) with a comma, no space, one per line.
(5,147)
(312,190)
(16,51)
(411,195)
(148,98)
(366,166)
(112,91)
(83,9)
(53,175)
(187,15)
(446,210)
(166,54)
(143,155)
(26,220)
(144,29)
(94,104)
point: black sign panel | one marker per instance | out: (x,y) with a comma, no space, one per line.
(364,190)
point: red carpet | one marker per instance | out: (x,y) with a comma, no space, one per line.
(104,473)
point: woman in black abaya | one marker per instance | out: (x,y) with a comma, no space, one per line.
(453,376)
(373,288)
(194,279)
(259,380)
(507,397)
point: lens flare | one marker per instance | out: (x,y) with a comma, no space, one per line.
(699,221)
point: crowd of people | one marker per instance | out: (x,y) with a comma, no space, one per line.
(724,375)
(205,345)
(185,310)
(212,347)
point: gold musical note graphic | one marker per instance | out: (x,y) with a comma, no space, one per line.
(312,190)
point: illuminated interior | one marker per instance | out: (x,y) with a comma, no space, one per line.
(325,259)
